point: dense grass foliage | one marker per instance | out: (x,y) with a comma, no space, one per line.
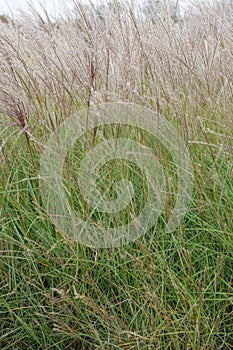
(164,290)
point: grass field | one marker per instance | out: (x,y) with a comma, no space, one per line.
(165,290)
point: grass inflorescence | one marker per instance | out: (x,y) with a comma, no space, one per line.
(164,290)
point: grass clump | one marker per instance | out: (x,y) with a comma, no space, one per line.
(164,290)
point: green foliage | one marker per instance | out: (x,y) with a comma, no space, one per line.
(4,19)
(164,290)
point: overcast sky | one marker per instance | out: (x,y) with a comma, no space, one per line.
(53,7)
